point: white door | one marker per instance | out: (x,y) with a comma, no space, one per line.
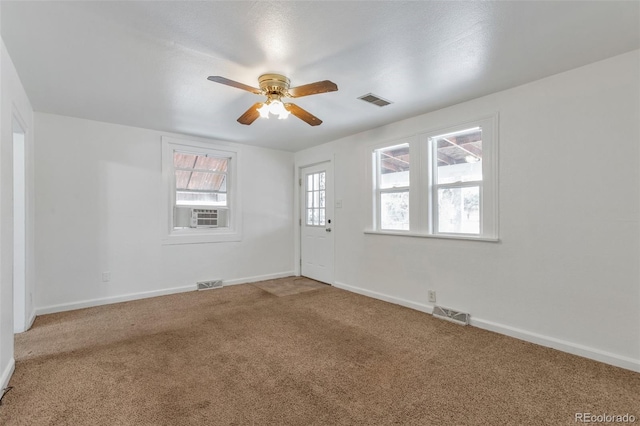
(316,225)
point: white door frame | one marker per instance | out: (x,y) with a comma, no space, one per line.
(298,200)
(19,203)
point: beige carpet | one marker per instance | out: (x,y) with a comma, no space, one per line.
(253,355)
(289,286)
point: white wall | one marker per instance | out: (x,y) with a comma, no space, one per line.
(99,190)
(565,273)
(13,102)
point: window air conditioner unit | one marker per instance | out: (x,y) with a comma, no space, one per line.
(204,218)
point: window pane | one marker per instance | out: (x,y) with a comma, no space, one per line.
(215,164)
(394,166)
(182,179)
(315,199)
(190,198)
(459,210)
(394,210)
(207,181)
(459,156)
(184,161)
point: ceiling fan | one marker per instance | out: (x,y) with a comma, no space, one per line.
(275,87)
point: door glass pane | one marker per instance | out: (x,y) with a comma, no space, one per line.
(394,210)
(459,210)
(459,156)
(315,190)
(394,166)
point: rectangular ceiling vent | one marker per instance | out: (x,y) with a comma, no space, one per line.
(375,100)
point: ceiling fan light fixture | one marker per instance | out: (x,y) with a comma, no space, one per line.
(283,115)
(275,87)
(275,107)
(264,110)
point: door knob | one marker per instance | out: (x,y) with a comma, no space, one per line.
(328,229)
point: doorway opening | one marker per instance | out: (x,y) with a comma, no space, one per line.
(19,228)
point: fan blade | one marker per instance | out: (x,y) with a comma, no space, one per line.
(313,89)
(251,114)
(303,115)
(237,85)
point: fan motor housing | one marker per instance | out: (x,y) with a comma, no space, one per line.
(274,84)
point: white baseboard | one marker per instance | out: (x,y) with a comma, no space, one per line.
(112,299)
(146,294)
(259,278)
(6,374)
(561,345)
(381,296)
(551,342)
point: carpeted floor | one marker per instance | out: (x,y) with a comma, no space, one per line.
(294,352)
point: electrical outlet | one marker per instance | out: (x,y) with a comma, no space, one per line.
(106,277)
(431,294)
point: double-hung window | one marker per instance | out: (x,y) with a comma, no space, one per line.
(201,193)
(452,188)
(392,187)
(456,181)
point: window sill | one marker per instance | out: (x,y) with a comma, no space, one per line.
(439,236)
(201,237)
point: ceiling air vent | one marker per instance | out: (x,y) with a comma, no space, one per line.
(374,99)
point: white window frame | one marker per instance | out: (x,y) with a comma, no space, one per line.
(233,232)
(377,179)
(423,190)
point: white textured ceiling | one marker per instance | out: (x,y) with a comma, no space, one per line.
(146,63)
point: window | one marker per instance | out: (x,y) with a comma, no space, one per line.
(201,192)
(451,192)
(315,191)
(200,179)
(392,187)
(457,181)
